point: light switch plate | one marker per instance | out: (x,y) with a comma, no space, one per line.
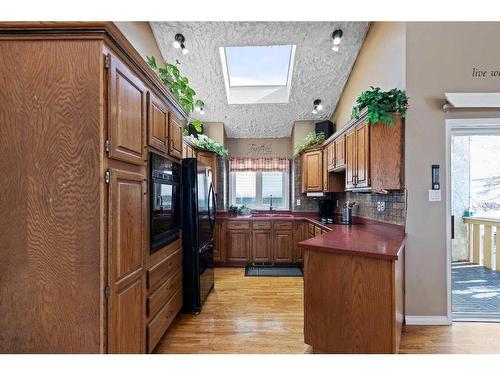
(434,195)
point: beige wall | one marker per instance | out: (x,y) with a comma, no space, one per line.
(440,58)
(139,34)
(259,147)
(216,131)
(299,131)
(381,62)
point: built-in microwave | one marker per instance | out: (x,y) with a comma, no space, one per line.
(165,202)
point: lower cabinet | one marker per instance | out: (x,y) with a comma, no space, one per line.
(164,301)
(262,245)
(239,242)
(283,247)
(238,246)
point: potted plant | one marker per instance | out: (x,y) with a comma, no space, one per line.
(208,144)
(195,128)
(311,140)
(381,106)
(178,85)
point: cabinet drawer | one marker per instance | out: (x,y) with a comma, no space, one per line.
(165,268)
(164,293)
(238,224)
(283,225)
(261,225)
(162,321)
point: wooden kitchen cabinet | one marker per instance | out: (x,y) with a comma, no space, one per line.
(188,151)
(358,157)
(301,234)
(330,157)
(339,153)
(157,123)
(127,113)
(238,246)
(210,159)
(312,171)
(127,220)
(283,247)
(262,246)
(175,133)
(362,155)
(88,131)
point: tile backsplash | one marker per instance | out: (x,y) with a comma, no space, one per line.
(366,206)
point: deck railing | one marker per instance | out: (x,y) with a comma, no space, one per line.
(484,241)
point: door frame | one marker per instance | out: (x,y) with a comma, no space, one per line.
(454,127)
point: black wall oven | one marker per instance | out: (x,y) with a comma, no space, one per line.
(165,202)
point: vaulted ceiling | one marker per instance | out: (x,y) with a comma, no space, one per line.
(318,72)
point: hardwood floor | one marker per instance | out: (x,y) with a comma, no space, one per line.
(265,315)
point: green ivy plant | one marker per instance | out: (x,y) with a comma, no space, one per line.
(381,106)
(198,125)
(209,144)
(178,85)
(311,140)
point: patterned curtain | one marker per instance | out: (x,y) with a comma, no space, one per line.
(258,165)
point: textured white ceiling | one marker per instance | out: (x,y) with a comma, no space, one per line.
(319,73)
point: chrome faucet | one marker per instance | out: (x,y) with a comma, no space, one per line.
(271,208)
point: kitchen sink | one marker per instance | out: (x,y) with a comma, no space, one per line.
(271,215)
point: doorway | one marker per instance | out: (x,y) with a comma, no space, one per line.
(473,206)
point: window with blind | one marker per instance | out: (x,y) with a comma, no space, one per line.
(254,181)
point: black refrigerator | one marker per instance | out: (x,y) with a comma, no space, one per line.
(198,222)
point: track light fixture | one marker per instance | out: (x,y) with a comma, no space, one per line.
(179,43)
(201,110)
(317,106)
(337,38)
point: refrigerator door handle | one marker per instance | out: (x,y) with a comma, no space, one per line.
(210,189)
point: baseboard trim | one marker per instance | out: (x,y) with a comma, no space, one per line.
(427,320)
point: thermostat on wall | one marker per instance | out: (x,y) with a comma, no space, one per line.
(434,195)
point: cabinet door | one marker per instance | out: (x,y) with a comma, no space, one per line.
(283,247)
(340,152)
(157,123)
(210,159)
(350,160)
(175,134)
(330,156)
(127,114)
(126,276)
(362,155)
(313,170)
(262,243)
(325,169)
(219,250)
(301,234)
(238,246)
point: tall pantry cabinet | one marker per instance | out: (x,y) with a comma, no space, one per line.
(75,107)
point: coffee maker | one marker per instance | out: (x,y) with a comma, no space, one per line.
(326,208)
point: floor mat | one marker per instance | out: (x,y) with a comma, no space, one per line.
(273,271)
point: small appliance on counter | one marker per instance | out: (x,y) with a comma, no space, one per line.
(347,213)
(197,233)
(326,207)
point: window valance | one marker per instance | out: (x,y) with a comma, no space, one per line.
(259,165)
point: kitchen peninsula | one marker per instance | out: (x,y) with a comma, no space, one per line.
(354,288)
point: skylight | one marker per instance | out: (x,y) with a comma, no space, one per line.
(257,74)
(258,66)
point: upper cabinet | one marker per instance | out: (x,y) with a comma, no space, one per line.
(312,171)
(176,139)
(127,113)
(374,157)
(330,156)
(339,153)
(158,123)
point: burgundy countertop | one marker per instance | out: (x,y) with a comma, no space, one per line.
(364,238)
